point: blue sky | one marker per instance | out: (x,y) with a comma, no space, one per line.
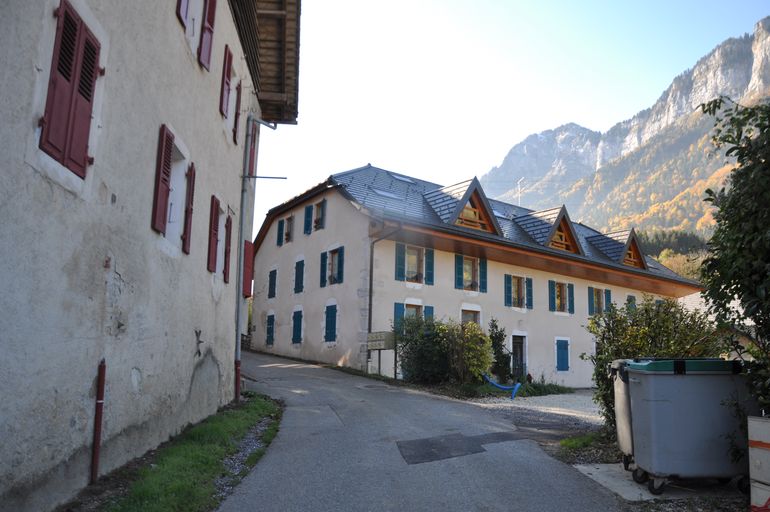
(442,89)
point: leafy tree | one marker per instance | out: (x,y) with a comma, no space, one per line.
(681,242)
(501,366)
(686,265)
(736,272)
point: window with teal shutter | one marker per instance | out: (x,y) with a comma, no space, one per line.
(270,334)
(400,262)
(428,312)
(562,355)
(307,228)
(271,279)
(530,302)
(324,261)
(398,315)
(340,264)
(320,215)
(459,271)
(279,241)
(508,290)
(590,301)
(296,327)
(631,302)
(299,276)
(551,295)
(483,275)
(429,267)
(607,298)
(331,324)
(571,298)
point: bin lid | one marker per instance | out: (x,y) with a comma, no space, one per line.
(684,366)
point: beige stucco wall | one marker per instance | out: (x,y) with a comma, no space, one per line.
(84,275)
(345,226)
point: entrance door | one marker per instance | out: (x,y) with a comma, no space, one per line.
(518,369)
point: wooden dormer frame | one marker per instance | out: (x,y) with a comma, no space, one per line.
(563,229)
(632,255)
(475,198)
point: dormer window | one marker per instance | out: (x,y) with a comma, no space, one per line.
(563,240)
(473,216)
(633,257)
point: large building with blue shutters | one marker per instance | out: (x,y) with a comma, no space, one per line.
(337,265)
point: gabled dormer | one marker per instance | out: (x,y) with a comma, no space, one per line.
(464,204)
(551,228)
(621,247)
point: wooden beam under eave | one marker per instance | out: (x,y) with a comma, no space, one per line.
(279,14)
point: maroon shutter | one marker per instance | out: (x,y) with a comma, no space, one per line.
(228,232)
(181,11)
(207,33)
(253,149)
(237,111)
(224,93)
(188,209)
(248,267)
(211,264)
(76,157)
(162,180)
(61,83)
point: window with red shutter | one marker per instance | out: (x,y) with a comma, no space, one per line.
(237,111)
(224,93)
(162,179)
(188,209)
(248,267)
(207,33)
(211,263)
(228,232)
(70,99)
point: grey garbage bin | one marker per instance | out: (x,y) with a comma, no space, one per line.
(622,410)
(684,420)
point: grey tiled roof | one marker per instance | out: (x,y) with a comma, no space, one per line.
(407,199)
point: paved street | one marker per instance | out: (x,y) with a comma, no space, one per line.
(348,443)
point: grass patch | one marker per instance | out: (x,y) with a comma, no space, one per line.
(579,442)
(185,469)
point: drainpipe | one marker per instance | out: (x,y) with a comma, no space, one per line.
(371,295)
(98,421)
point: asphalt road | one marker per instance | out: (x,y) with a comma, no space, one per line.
(348,443)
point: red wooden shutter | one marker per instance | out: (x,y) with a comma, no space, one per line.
(237,111)
(188,209)
(248,267)
(83,103)
(211,264)
(228,232)
(181,11)
(253,148)
(207,33)
(162,180)
(224,93)
(53,139)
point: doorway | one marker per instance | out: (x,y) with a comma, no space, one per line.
(518,366)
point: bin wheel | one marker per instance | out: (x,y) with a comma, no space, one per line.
(744,485)
(655,485)
(639,475)
(627,462)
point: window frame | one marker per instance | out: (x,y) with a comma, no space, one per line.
(288,229)
(518,284)
(419,275)
(561,297)
(473,312)
(473,284)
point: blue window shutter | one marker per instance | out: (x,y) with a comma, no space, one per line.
(331,323)
(400,262)
(308,227)
(341,264)
(279,241)
(483,275)
(551,295)
(270,335)
(508,293)
(562,355)
(299,276)
(607,298)
(271,284)
(428,312)
(324,261)
(296,327)
(429,266)
(322,221)
(590,301)
(631,301)
(530,302)
(571,296)
(459,271)
(398,315)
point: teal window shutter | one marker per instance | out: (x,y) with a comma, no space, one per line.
(279,241)
(530,302)
(591,306)
(341,264)
(459,271)
(631,302)
(551,295)
(308,226)
(562,355)
(571,297)
(400,262)
(428,312)
(271,278)
(324,260)
(607,298)
(299,276)
(429,266)
(508,291)
(331,323)
(398,315)
(296,327)
(483,275)
(270,335)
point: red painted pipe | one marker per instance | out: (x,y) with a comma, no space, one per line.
(98,421)
(237,381)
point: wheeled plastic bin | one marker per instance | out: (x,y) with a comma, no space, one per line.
(684,420)
(623,410)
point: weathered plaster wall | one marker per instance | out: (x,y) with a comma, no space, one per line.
(85,277)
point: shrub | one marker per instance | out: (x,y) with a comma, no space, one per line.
(501,366)
(651,329)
